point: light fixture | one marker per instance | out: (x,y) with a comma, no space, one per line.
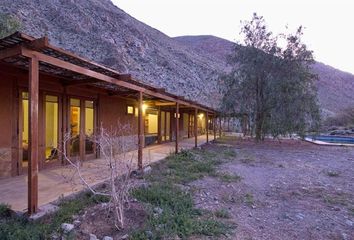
(144,107)
(201,116)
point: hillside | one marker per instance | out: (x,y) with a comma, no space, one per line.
(100,31)
(335,87)
(188,65)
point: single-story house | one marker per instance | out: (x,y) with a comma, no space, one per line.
(46,92)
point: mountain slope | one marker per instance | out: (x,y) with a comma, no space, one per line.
(100,31)
(335,87)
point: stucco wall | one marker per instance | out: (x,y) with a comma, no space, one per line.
(5,126)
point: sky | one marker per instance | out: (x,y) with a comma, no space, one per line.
(329,24)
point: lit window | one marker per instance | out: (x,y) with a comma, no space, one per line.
(130,109)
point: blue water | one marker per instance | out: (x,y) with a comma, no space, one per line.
(332,139)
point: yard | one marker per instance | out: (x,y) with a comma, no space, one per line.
(231,189)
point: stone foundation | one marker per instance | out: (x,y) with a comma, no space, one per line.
(5,162)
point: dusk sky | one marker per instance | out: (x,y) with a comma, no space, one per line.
(329,30)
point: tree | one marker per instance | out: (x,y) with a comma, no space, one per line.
(114,146)
(271,84)
(8,24)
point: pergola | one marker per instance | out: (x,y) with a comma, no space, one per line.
(37,55)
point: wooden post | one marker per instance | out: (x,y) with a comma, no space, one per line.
(177,126)
(159,138)
(33,136)
(214,126)
(219,126)
(140,131)
(207,127)
(82,137)
(196,127)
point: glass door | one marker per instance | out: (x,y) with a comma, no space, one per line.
(74,127)
(23,130)
(82,128)
(51,113)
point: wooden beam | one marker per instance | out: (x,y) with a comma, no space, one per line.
(39,43)
(82,132)
(207,127)
(81,70)
(79,82)
(196,127)
(10,52)
(165,104)
(140,131)
(177,126)
(33,136)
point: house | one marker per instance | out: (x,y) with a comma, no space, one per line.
(46,92)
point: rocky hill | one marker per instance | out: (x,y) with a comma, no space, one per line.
(335,87)
(100,31)
(189,65)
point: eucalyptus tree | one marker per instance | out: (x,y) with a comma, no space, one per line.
(271,81)
(8,24)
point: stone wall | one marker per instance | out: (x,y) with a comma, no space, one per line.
(5,162)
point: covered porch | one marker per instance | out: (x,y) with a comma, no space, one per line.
(57,182)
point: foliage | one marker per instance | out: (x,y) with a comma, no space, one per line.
(178,217)
(20,228)
(5,210)
(8,24)
(227,177)
(222,213)
(186,166)
(272,85)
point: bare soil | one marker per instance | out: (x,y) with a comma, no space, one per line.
(289,190)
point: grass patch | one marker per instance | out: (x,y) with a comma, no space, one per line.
(178,217)
(339,199)
(5,210)
(186,166)
(20,228)
(247,160)
(333,174)
(248,199)
(227,177)
(222,213)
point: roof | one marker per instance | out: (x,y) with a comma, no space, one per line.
(17,48)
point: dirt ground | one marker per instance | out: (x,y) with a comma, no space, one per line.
(289,190)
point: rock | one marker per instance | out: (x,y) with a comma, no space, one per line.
(344,236)
(124,237)
(300,216)
(147,170)
(110,238)
(149,234)
(67,227)
(349,223)
(134,173)
(93,237)
(77,223)
(158,210)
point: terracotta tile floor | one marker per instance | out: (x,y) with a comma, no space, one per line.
(62,181)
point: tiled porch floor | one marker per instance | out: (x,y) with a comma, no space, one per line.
(62,181)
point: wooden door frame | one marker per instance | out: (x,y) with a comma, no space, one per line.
(58,161)
(82,154)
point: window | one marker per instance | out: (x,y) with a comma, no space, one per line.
(130,109)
